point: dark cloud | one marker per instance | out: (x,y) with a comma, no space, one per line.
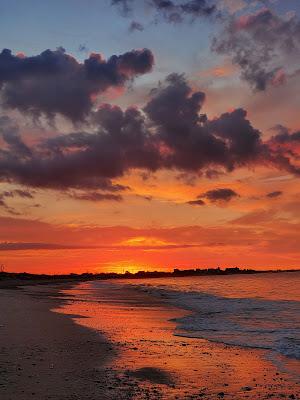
(55,82)
(171,132)
(171,11)
(25,194)
(14,246)
(96,196)
(7,208)
(284,136)
(85,160)
(192,141)
(264,45)
(286,143)
(274,195)
(174,11)
(197,202)
(136,26)
(223,194)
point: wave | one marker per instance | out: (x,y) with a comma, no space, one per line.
(246,322)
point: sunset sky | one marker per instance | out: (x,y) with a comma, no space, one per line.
(149,134)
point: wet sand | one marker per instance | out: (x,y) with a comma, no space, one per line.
(164,366)
(124,349)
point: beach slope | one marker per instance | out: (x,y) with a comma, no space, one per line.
(45,355)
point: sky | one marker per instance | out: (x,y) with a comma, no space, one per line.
(149,135)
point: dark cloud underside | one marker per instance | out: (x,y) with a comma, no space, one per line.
(170,132)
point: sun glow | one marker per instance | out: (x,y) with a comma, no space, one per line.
(121,267)
(141,241)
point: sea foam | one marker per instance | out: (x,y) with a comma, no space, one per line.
(247,322)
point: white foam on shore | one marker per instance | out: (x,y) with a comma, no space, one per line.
(247,322)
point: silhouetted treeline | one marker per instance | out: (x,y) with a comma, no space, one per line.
(140,274)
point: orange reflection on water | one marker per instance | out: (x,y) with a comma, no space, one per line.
(142,331)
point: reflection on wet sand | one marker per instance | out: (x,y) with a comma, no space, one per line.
(152,363)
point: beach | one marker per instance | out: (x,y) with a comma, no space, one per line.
(54,345)
(45,355)
(150,200)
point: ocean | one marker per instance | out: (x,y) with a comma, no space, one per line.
(259,311)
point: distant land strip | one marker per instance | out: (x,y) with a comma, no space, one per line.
(176,273)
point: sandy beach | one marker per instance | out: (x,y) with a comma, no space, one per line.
(129,352)
(45,355)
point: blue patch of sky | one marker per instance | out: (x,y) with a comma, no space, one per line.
(33,26)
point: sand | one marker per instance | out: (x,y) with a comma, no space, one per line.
(125,352)
(45,355)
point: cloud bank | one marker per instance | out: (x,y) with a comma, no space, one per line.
(170,132)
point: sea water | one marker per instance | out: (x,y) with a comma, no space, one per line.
(259,310)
